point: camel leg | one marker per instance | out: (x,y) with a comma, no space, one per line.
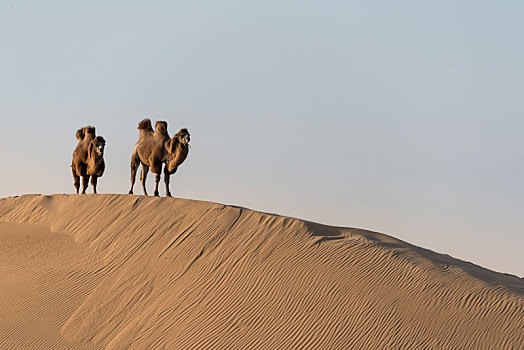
(85,183)
(94,179)
(143,176)
(76,178)
(157,180)
(166,180)
(135,162)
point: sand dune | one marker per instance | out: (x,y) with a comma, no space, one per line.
(134,272)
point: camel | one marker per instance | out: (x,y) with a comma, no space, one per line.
(88,158)
(154,149)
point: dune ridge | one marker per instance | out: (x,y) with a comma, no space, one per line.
(133,272)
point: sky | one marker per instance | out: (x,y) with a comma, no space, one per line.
(403,117)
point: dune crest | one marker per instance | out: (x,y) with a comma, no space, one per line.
(140,272)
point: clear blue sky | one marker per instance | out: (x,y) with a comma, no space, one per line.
(404,117)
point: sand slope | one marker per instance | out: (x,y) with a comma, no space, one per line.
(134,272)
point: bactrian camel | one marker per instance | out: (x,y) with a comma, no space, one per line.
(88,158)
(155,149)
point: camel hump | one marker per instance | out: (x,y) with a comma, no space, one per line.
(145,125)
(161,127)
(89,130)
(80,134)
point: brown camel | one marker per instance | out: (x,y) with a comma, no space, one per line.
(153,149)
(88,158)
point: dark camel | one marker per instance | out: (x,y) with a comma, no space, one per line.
(154,149)
(88,158)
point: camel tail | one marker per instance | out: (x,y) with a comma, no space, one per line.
(145,125)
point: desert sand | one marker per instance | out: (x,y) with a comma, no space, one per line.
(135,272)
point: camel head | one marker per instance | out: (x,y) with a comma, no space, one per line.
(97,146)
(183,137)
(178,148)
